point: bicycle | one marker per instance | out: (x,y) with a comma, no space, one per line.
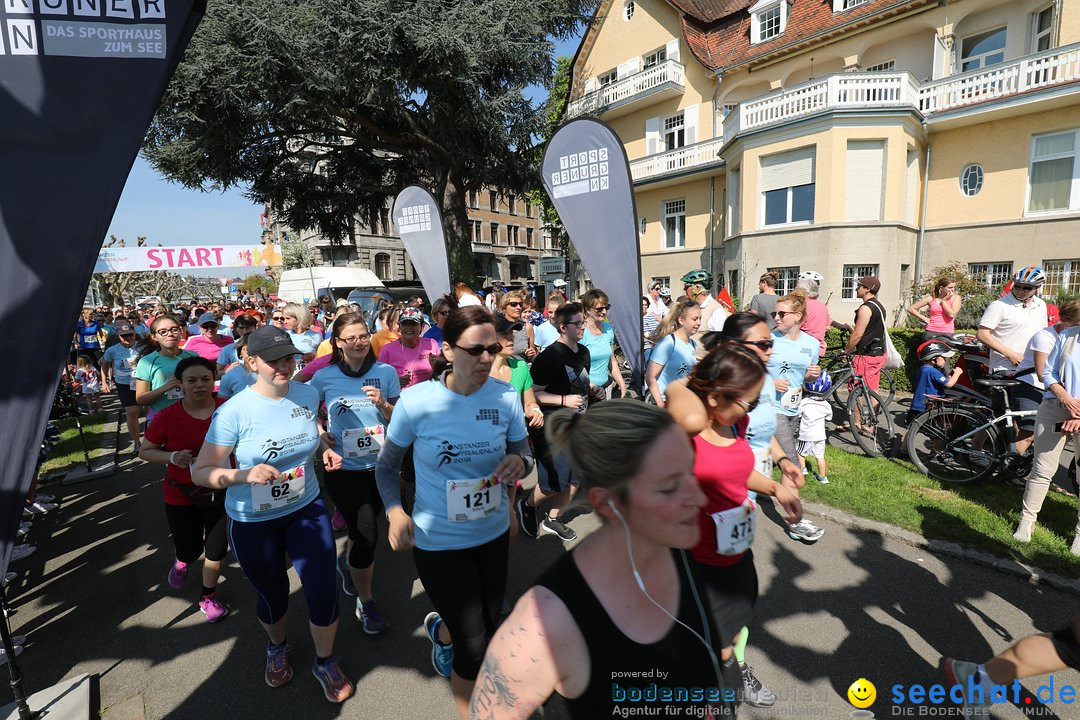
(851,396)
(828,363)
(967,442)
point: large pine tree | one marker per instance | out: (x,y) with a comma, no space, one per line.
(323,108)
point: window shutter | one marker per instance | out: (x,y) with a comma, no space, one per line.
(634,65)
(673,50)
(625,69)
(591,85)
(788,169)
(690,120)
(864,182)
(652,136)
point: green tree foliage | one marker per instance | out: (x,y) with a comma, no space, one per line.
(323,108)
(259,281)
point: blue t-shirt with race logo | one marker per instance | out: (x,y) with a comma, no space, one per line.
(790,360)
(457,438)
(234,381)
(677,358)
(355,423)
(279,432)
(124,360)
(762,427)
(600,348)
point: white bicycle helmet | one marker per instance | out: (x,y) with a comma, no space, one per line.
(812,275)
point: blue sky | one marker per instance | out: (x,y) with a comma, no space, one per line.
(170,214)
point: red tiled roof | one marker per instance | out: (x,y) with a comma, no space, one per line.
(726,44)
(708,11)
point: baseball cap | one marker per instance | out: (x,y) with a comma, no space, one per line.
(124,328)
(411,315)
(502,325)
(871,283)
(271,343)
(208,317)
(341,302)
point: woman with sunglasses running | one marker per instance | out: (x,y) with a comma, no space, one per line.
(673,354)
(467,432)
(599,337)
(511,306)
(440,310)
(359,394)
(156,384)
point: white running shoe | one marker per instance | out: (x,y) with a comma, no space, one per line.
(22,551)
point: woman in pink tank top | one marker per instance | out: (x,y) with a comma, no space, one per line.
(943,307)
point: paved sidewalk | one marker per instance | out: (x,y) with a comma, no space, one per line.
(94,599)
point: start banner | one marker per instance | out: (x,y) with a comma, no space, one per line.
(186,257)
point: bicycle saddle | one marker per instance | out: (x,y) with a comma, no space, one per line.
(997,383)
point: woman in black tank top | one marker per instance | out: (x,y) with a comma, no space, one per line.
(617,624)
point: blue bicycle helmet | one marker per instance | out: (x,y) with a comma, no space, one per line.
(1031,275)
(819,385)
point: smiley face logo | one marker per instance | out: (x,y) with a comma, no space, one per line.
(862,693)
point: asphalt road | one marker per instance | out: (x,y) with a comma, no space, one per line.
(94,599)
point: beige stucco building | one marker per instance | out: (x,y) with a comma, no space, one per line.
(849,137)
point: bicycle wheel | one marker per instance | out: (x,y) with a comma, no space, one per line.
(933,446)
(870,422)
(888,381)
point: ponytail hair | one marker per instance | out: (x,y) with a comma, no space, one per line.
(608,444)
(670,323)
(770,278)
(797,301)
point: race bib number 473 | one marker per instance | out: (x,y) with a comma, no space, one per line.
(286,490)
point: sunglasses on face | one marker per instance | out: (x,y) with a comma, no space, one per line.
(780,314)
(209,326)
(759,344)
(1025,288)
(602,308)
(127,335)
(748,406)
(277,318)
(478,350)
(513,304)
(443,312)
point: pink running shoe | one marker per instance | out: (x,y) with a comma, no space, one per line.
(212,609)
(338,521)
(178,574)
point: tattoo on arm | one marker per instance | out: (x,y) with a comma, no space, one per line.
(492,689)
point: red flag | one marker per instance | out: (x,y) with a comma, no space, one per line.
(724,298)
(1007,289)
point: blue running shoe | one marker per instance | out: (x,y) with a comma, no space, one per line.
(442,656)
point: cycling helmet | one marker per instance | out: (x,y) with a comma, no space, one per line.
(934,349)
(812,275)
(701,276)
(1031,275)
(819,385)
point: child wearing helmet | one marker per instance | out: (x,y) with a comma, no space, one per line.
(814,411)
(934,355)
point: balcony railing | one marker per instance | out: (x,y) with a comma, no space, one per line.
(629,88)
(484,247)
(900,90)
(676,161)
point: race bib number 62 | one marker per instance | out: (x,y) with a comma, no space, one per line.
(286,490)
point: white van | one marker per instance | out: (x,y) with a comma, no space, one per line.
(305,285)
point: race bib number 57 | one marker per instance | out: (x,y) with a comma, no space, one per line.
(472,499)
(286,490)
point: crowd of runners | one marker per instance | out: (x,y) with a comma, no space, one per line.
(433,417)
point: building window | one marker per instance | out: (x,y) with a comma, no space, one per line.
(767,20)
(512,235)
(982,50)
(1062,276)
(728,108)
(787,187)
(1052,175)
(1041,25)
(628,10)
(994,275)
(511,204)
(841,5)
(674,224)
(474,199)
(382,266)
(494,233)
(674,132)
(852,273)
(529,239)
(664,280)
(608,78)
(788,276)
(654,58)
(882,67)
(971,180)
(528,209)
(384,220)
(493,201)
(477,231)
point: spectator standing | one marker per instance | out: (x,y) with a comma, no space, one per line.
(942,305)
(1006,328)
(208,344)
(817,314)
(764,303)
(657,307)
(866,343)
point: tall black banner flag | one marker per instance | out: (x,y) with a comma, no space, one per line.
(420,224)
(587,176)
(80,81)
